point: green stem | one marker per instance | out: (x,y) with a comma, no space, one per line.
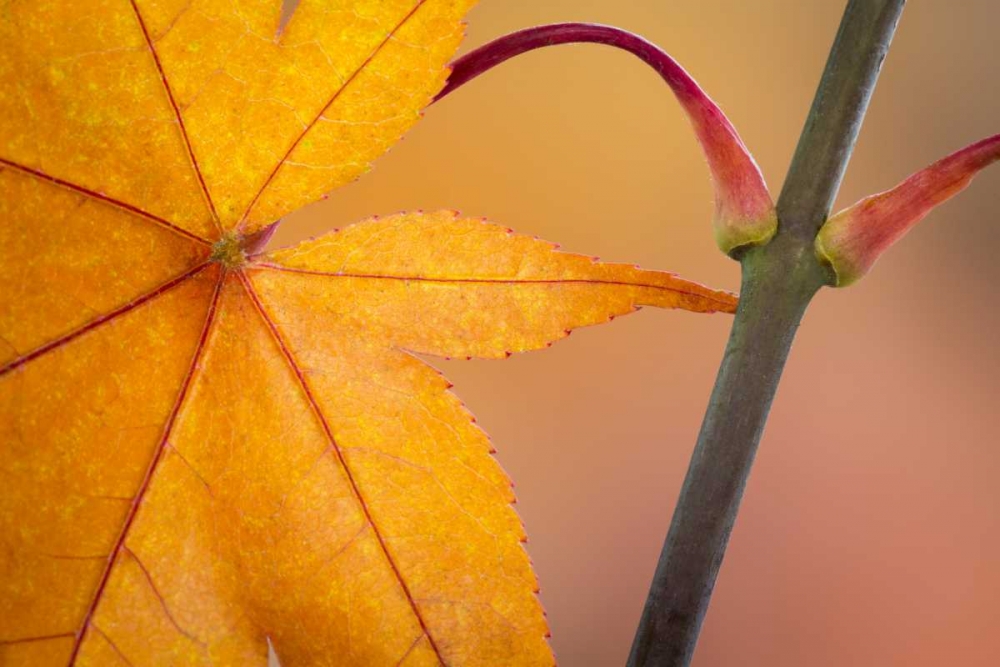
(779,281)
(838,109)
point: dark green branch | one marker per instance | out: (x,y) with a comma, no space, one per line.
(776,291)
(779,280)
(838,109)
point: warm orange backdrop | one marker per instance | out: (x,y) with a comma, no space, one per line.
(870,533)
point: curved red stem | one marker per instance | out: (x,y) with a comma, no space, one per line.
(744,209)
(486,57)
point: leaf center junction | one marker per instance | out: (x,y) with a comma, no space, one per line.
(230,250)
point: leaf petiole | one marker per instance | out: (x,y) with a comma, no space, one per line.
(744,212)
(488,56)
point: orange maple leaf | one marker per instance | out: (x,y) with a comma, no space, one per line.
(206,449)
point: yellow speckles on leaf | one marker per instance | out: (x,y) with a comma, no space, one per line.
(88,106)
(204,453)
(56,74)
(77,428)
(67,258)
(368,64)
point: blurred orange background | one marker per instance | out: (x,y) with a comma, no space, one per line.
(869,534)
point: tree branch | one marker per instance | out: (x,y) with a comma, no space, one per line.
(838,109)
(779,280)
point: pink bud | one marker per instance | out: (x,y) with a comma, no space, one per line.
(853,239)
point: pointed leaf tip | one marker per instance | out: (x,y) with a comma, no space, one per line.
(851,241)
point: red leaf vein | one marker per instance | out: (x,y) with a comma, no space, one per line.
(297,371)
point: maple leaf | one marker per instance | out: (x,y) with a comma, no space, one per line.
(206,449)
